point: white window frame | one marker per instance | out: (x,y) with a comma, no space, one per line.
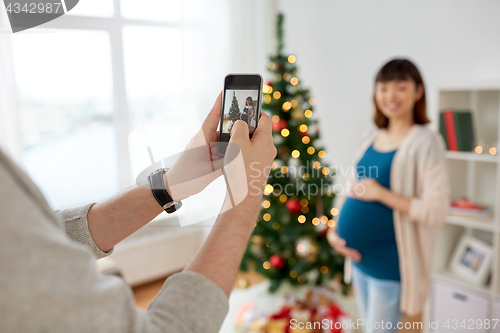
(10,139)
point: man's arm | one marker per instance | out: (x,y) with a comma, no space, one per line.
(220,256)
(116,218)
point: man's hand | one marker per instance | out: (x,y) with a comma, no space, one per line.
(200,163)
(250,165)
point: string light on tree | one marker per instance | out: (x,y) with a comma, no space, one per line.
(287,106)
(269,189)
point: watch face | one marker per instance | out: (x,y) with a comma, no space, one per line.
(172,206)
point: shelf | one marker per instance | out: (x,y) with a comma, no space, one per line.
(450,277)
(471,156)
(478,224)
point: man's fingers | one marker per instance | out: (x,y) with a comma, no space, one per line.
(211,122)
(264,128)
(239,132)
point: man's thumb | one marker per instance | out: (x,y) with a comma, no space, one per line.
(239,132)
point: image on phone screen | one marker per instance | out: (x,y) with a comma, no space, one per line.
(240,104)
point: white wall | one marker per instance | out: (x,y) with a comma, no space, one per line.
(340,45)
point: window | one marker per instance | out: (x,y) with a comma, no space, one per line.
(81,83)
(67,128)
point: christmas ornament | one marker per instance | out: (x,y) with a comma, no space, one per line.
(243,283)
(269,83)
(297,114)
(283,150)
(321,228)
(277,261)
(313,252)
(281,124)
(293,206)
(278,139)
(302,247)
(291,89)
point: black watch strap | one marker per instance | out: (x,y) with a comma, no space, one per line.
(160,192)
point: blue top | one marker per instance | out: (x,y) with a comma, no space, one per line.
(244,116)
(368,226)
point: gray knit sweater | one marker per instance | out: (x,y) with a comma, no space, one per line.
(48,281)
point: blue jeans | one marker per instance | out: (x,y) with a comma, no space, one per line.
(378,302)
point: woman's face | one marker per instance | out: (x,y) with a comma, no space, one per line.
(396,99)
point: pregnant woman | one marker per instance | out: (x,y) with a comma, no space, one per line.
(248,110)
(398,200)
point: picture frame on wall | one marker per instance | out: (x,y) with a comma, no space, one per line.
(472,260)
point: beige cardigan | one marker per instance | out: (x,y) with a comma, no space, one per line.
(419,171)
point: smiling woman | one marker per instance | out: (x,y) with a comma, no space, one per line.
(401,78)
(385,227)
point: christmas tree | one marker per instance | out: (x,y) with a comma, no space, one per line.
(234,111)
(289,241)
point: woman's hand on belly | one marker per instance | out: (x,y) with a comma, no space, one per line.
(339,245)
(368,189)
(373,191)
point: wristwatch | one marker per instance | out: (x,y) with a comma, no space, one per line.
(160,192)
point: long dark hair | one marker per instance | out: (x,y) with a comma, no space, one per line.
(402,70)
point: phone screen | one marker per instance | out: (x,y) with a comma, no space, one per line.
(241,101)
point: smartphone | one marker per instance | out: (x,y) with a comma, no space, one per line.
(241,99)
